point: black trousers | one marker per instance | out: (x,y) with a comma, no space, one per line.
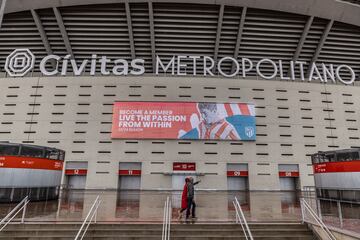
(190,205)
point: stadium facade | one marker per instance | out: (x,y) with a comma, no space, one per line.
(65,63)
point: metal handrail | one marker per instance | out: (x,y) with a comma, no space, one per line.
(338,204)
(305,206)
(91,214)
(167,220)
(12,214)
(240,218)
(331,200)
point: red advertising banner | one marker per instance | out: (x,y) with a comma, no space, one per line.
(184,166)
(288,174)
(129,172)
(237,173)
(30,162)
(80,172)
(332,167)
(183,120)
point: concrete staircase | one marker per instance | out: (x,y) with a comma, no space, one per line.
(146,231)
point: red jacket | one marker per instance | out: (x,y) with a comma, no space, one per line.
(184,197)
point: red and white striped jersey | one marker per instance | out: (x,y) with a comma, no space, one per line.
(231,109)
(218,130)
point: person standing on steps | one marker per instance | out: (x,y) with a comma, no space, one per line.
(184,198)
(190,198)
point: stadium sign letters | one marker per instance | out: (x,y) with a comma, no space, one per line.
(21,61)
(325,73)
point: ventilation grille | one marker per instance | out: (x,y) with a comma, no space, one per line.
(342,46)
(182,29)
(18,30)
(270,34)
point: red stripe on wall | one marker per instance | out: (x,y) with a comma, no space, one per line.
(130,172)
(81,172)
(244,109)
(350,166)
(228,110)
(237,173)
(288,174)
(30,163)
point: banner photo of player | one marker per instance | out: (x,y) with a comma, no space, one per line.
(184,120)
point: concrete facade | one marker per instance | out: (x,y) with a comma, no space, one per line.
(294,119)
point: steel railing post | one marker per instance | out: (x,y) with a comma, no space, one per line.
(163,228)
(318,208)
(238,219)
(165,231)
(236,213)
(302,210)
(14,212)
(242,219)
(340,213)
(318,220)
(91,214)
(166,218)
(95,216)
(23,213)
(169,220)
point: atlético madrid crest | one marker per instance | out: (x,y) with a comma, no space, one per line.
(249,131)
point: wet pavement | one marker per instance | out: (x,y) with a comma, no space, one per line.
(144,206)
(148,206)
